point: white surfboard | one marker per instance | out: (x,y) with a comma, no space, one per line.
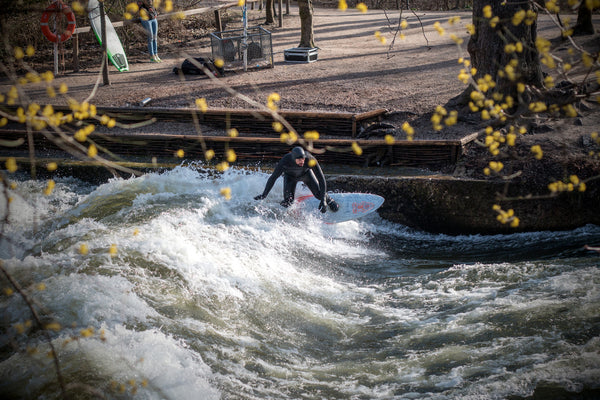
(352,206)
(114,48)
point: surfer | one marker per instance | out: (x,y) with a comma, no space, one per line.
(148,19)
(299,165)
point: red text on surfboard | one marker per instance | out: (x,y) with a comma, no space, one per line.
(362,207)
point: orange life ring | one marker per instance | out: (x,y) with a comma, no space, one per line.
(54,8)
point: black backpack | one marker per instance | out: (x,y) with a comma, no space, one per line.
(189,67)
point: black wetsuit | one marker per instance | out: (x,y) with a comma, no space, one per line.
(293,173)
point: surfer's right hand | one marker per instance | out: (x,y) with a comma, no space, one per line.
(259,197)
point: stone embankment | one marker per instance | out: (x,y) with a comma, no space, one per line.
(466,206)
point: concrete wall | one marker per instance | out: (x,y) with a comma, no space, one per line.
(464,206)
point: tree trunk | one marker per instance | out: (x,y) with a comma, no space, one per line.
(584,24)
(487,46)
(269,9)
(305,9)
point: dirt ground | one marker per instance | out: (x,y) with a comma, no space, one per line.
(355,72)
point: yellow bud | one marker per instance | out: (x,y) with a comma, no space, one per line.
(180,153)
(11,164)
(311,135)
(132,8)
(92,151)
(201,104)
(273,97)
(362,7)
(456,39)
(112,251)
(209,155)
(80,135)
(49,187)
(19,53)
(519,46)
(389,139)
(570,111)
(230,155)
(453,20)
(342,5)
(85,333)
(233,133)
(407,128)
(53,326)
(356,149)
(222,166)
(277,126)
(487,11)
(63,88)
(83,249)
(510,139)
(518,17)
(226,192)
(574,179)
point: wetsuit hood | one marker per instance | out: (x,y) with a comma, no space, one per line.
(298,152)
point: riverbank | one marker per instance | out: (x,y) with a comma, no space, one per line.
(355,73)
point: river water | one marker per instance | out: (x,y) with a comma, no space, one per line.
(208,298)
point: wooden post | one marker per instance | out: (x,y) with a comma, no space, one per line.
(218,25)
(76,52)
(287,7)
(280,14)
(105,78)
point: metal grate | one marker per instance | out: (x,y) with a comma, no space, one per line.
(229,46)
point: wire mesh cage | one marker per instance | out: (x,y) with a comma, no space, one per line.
(229,46)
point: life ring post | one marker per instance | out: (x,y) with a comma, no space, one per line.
(58,9)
